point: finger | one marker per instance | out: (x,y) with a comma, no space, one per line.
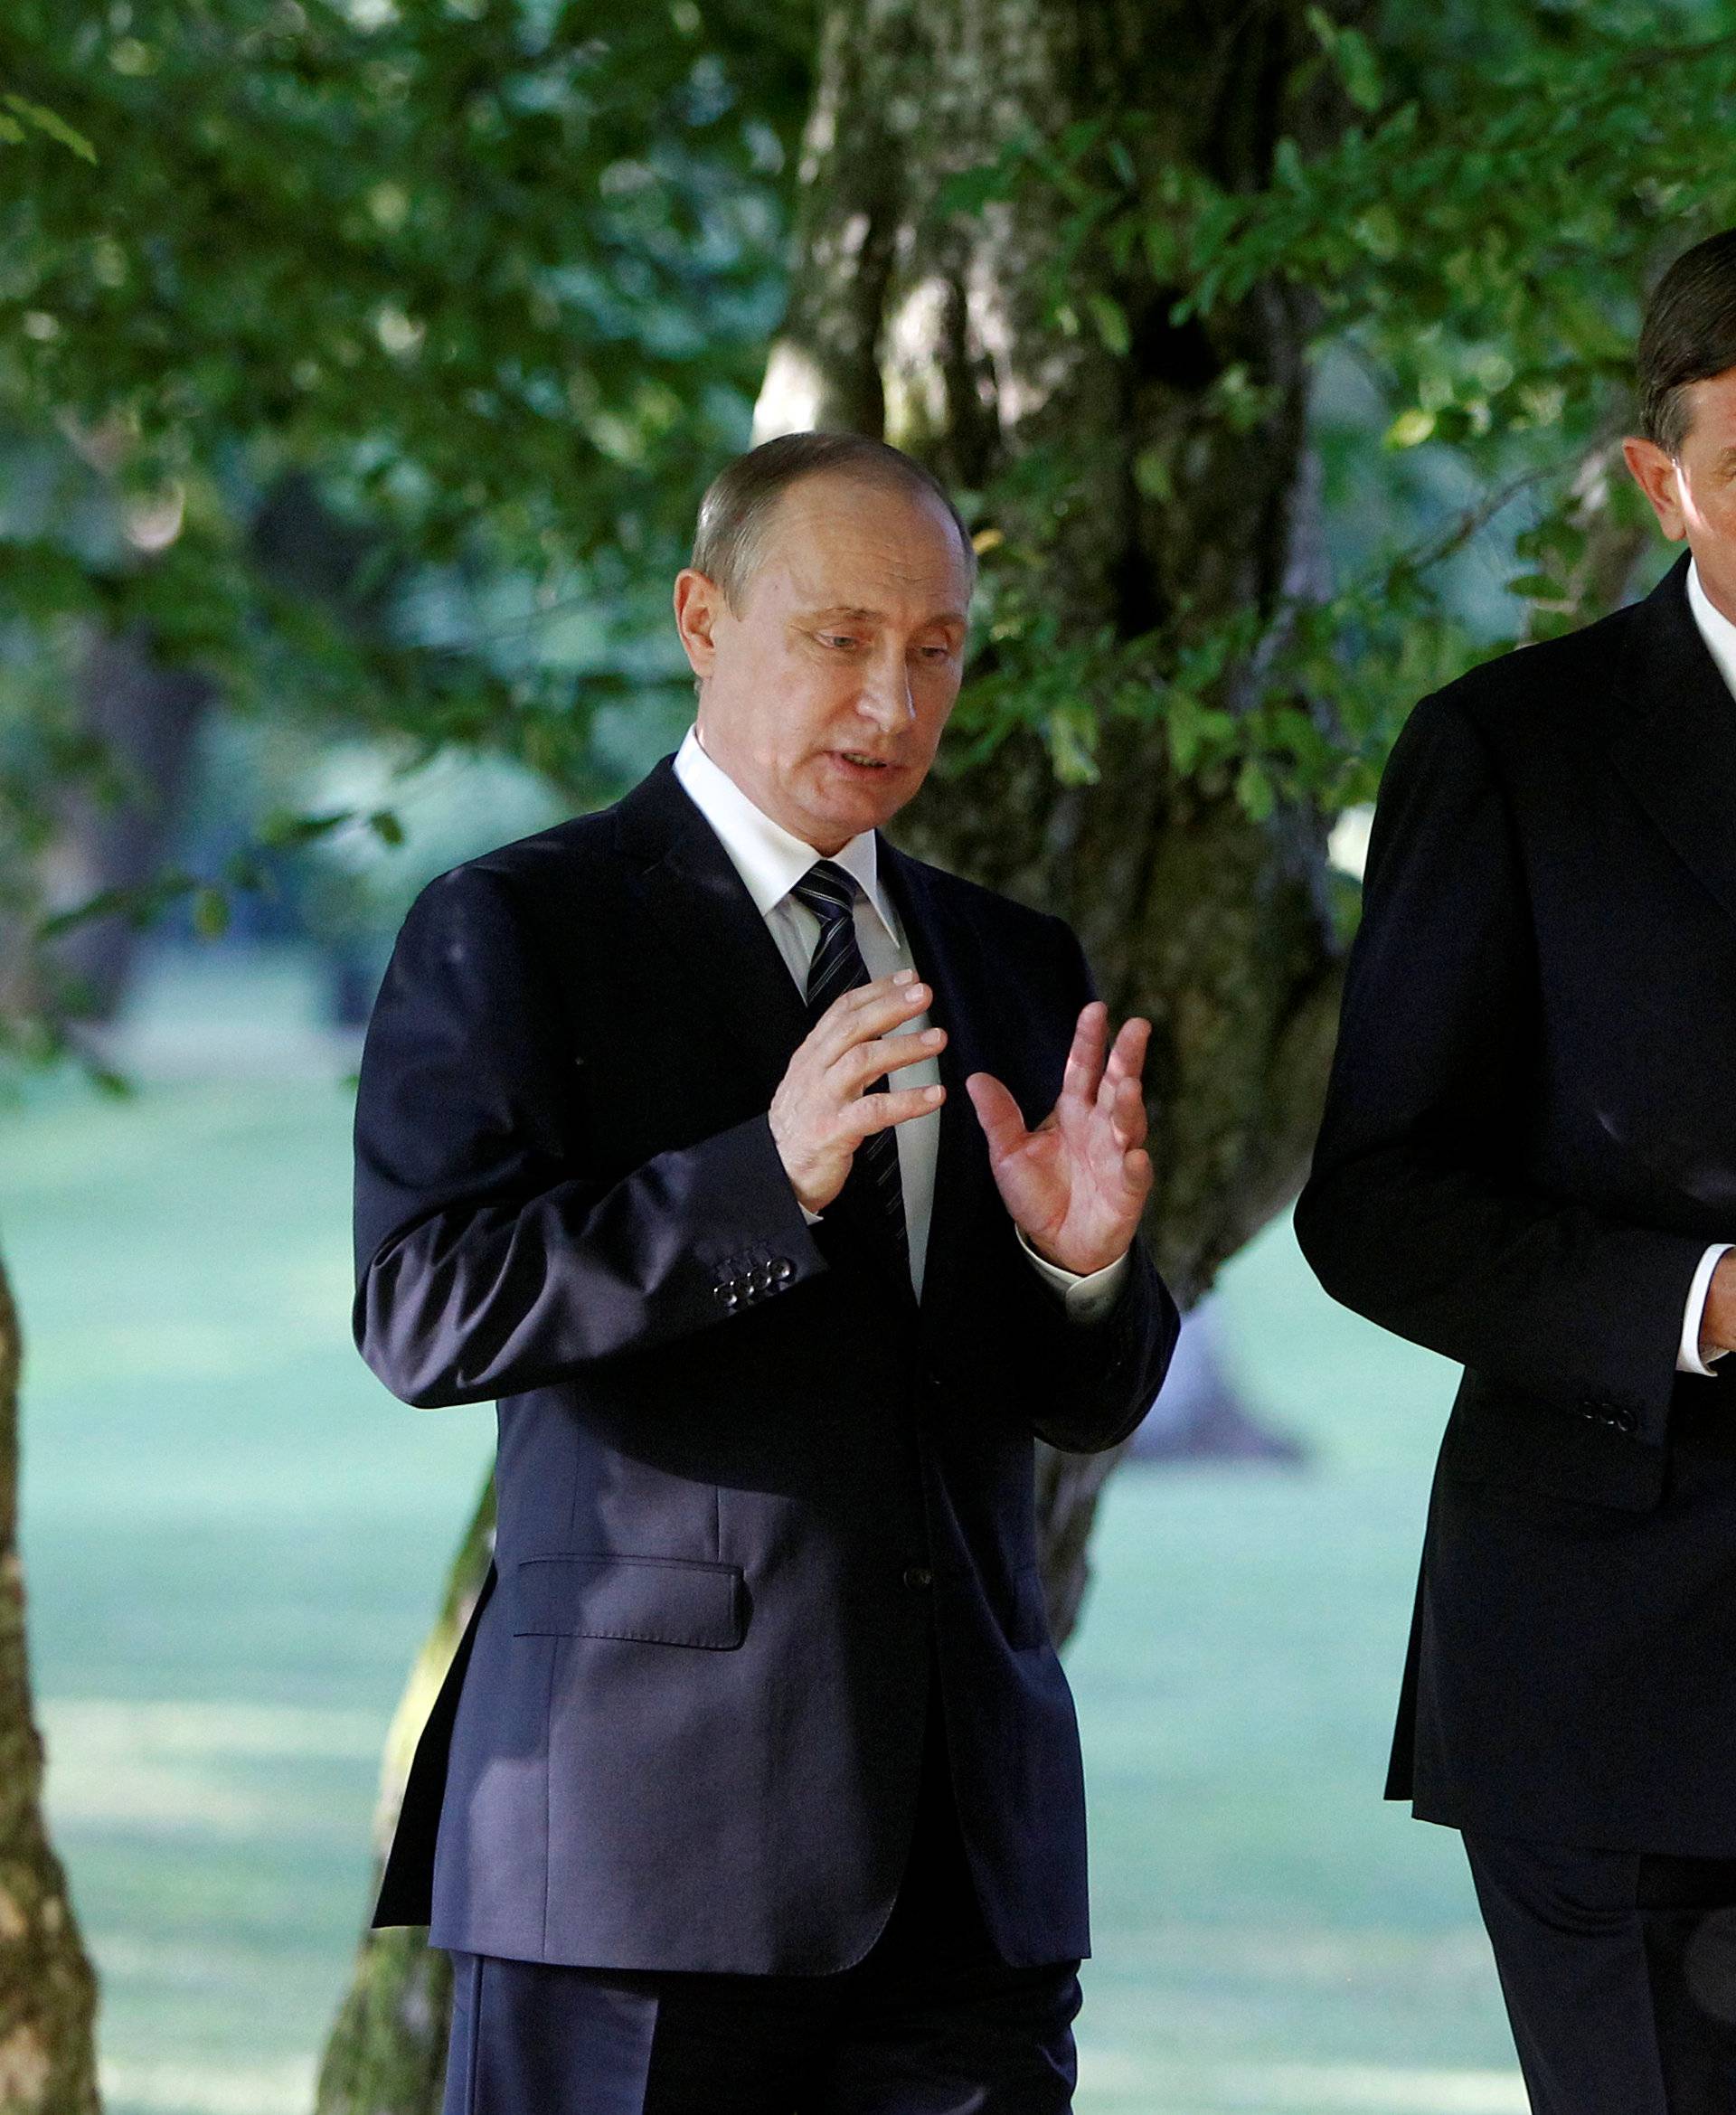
(1128,1051)
(1127,1116)
(868,1009)
(866,1061)
(1085,1056)
(878,1112)
(998,1112)
(1124,1064)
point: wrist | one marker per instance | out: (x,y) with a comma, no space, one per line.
(1717,1319)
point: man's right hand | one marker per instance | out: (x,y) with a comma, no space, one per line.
(822,1111)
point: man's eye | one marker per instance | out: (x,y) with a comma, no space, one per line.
(936,653)
(834,638)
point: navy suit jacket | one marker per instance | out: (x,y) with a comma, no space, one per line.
(751,1494)
(1530,1139)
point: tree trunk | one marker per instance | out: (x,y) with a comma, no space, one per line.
(387,2050)
(939,330)
(146,719)
(48,1994)
(946,332)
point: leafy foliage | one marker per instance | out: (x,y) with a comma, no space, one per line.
(376,365)
(1474,246)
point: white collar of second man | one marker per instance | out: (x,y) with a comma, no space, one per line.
(1715,628)
(770,859)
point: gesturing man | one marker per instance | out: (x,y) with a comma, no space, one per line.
(1528,1163)
(755,1785)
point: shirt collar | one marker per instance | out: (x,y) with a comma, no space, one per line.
(768,858)
(1715,629)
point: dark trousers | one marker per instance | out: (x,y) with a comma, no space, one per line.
(931,2022)
(1619,1970)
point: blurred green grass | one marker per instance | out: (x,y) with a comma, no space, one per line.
(235,1539)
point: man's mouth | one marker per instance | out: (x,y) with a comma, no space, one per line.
(863,760)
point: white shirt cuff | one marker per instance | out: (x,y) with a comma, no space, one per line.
(1089,1298)
(1688,1359)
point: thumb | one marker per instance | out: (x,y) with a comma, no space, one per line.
(997,1111)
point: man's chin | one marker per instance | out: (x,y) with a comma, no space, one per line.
(843,804)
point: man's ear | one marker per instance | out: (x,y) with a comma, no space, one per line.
(697,603)
(1655,474)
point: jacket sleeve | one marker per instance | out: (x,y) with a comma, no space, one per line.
(489,1259)
(1088,1385)
(1417,1211)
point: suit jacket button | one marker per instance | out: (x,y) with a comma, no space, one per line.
(783,1270)
(918,1576)
(1626,1422)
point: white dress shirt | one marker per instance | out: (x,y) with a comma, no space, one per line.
(1720,635)
(770,862)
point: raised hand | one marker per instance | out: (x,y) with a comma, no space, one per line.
(821,1111)
(1076,1183)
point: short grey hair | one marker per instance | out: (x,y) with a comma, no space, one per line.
(739,505)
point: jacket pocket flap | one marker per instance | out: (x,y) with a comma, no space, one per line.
(1503,1435)
(655,1600)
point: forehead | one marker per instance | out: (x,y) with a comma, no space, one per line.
(840,542)
(1712,409)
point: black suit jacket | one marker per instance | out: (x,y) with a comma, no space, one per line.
(749,1491)
(1530,1139)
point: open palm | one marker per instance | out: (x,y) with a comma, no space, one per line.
(1076,1183)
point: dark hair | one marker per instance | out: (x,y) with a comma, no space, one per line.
(737,508)
(1689,334)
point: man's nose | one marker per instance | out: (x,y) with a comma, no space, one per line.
(885,695)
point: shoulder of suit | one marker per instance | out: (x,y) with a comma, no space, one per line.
(1530,690)
(961,898)
(534,873)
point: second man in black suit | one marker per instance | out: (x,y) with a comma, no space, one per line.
(1528,1163)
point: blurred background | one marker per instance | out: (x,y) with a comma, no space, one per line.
(361,364)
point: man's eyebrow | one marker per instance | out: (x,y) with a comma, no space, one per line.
(860,616)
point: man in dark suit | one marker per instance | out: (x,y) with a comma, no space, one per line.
(755,1785)
(1528,1163)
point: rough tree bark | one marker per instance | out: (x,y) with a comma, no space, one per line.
(48,1994)
(939,330)
(943,331)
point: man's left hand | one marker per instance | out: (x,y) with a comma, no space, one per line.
(1077,1184)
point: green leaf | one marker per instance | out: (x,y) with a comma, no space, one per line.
(283,829)
(1254,791)
(1152,474)
(385,826)
(210,912)
(1072,742)
(1411,428)
(1111,321)
(51,123)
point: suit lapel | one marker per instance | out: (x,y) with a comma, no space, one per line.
(736,986)
(1676,743)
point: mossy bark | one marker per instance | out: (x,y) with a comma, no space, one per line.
(964,337)
(48,1992)
(387,2048)
(939,329)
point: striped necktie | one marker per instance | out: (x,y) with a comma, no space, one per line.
(837,966)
